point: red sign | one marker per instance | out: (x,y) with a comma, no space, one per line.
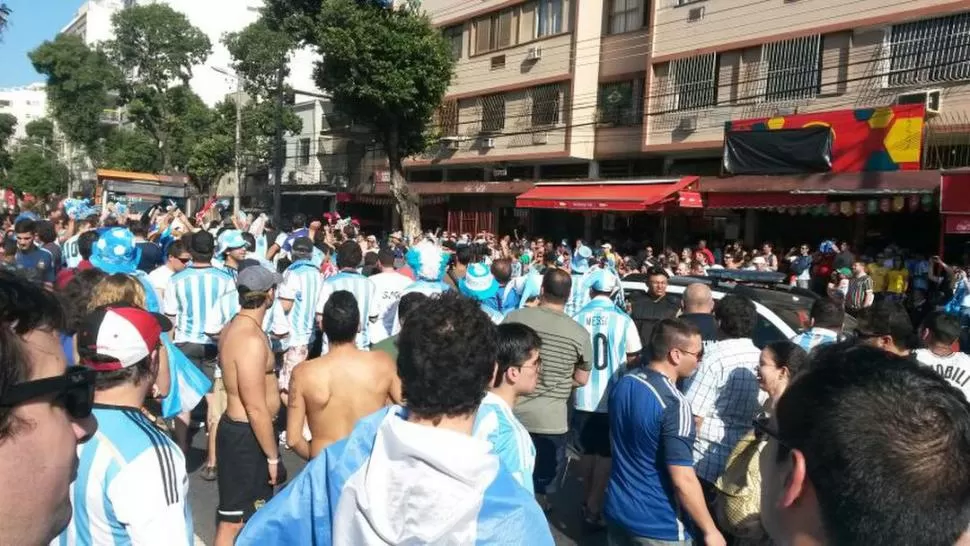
(957,224)
(955,192)
(690,200)
(865,139)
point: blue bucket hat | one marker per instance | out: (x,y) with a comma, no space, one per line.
(229,240)
(478,282)
(116,252)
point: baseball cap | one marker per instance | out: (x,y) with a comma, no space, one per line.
(202,242)
(606,246)
(258,279)
(602,280)
(302,245)
(478,282)
(116,251)
(114,338)
(230,239)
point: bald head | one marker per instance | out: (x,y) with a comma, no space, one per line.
(698,299)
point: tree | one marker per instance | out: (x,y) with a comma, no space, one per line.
(131,149)
(386,68)
(212,157)
(156,47)
(40,130)
(8,126)
(4,16)
(37,172)
(80,81)
(258,53)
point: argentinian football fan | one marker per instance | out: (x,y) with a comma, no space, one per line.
(616,343)
(132,486)
(349,259)
(457,491)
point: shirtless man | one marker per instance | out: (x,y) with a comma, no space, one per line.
(333,392)
(249,455)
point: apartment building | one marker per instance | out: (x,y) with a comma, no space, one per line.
(27,103)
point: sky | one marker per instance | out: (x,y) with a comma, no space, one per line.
(31,22)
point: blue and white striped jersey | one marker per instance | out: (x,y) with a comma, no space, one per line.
(275,323)
(364,292)
(614,336)
(190,296)
(530,286)
(131,485)
(428,288)
(71,252)
(496,316)
(813,337)
(302,284)
(578,294)
(510,441)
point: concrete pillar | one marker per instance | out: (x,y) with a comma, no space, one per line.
(536,172)
(594,169)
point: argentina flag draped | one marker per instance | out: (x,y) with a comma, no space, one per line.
(397,482)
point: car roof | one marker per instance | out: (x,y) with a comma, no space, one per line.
(760,288)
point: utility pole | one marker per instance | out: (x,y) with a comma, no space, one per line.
(278,149)
(237,200)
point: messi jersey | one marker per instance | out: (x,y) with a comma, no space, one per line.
(614,336)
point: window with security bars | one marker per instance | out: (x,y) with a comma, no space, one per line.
(626,16)
(446,118)
(546,104)
(495,31)
(930,51)
(304,152)
(493,113)
(793,68)
(454,35)
(621,103)
(694,81)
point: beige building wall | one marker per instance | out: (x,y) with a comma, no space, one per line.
(692,96)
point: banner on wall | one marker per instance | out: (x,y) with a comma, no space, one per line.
(783,151)
(863,139)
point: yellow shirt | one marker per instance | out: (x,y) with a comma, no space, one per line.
(896,280)
(878,275)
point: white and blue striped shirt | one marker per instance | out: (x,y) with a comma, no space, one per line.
(813,337)
(275,323)
(496,316)
(578,293)
(131,486)
(363,291)
(190,296)
(302,284)
(510,440)
(71,252)
(614,336)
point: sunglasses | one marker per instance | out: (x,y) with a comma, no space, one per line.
(763,430)
(184,260)
(74,389)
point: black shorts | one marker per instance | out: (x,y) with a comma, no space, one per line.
(243,476)
(592,432)
(205,357)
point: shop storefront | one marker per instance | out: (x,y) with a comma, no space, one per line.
(955,210)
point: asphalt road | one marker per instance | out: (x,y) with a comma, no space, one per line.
(565,518)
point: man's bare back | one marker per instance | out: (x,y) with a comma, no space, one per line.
(243,343)
(333,392)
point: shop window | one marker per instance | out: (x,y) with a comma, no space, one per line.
(304,152)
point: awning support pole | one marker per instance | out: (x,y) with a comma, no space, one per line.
(663,231)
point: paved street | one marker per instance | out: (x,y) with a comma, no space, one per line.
(565,518)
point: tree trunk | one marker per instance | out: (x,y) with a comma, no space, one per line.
(407,202)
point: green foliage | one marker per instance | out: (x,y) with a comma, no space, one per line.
(79,80)
(212,157)
(156,47)
(258,51)
(131,150)
(8,125)
(41,130)
(38,172)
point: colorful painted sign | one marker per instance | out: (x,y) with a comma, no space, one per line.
(865,139)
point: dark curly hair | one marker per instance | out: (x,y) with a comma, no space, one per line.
(736,316)
(447,350)
(77,294)
(349,254)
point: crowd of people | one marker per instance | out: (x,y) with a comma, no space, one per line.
(442,386)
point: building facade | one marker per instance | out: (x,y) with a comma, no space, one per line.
(27,103)
(554,90)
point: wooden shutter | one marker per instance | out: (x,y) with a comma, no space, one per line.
(504,37)
(482,34)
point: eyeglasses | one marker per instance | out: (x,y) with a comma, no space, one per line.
(184,260)
(75,389)
(762,429)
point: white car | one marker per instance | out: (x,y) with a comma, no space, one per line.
(783,310)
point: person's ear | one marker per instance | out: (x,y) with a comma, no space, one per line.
(796,483)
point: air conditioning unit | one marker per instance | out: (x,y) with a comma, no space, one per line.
(450,142)
(930,99)
(687,124)
(540,137)
(534,54)
(488,142)
(695,14)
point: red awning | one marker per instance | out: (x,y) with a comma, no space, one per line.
(762,200)
(956,224)
(625,196)
(955,193)
(888,183)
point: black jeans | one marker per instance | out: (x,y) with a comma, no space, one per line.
(550,460)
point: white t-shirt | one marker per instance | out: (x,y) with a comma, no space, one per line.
(389,287)
(159,278)
(955,368)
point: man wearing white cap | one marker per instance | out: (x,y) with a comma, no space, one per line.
(616,343)
(131,485)
(232,251)
(578,295)
(479,284)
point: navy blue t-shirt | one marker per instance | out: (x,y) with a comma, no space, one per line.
(36,264)
(151,256)
(651,428)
